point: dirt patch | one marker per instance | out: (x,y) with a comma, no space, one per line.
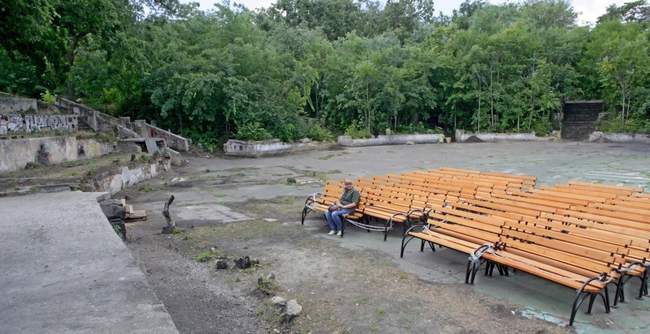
(341,291)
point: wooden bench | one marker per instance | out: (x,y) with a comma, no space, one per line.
(614,223)
(321,202)
(506,244)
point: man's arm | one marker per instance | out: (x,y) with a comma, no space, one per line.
(348,206)
(355,201)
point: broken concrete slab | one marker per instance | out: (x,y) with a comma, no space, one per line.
(254,149)
(293,310)
(277,300)
(463,136)
(405,139)
(607,137)
(64,275)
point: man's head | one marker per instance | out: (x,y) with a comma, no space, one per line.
(347,184)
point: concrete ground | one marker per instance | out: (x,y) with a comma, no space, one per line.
(251,207)
(64,270)
(230,208)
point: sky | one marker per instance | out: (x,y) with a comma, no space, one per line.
(588,10)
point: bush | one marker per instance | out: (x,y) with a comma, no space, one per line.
(542,128)
(287,132)
(357,132)
(48,97)
(319,133)
(418,128)
(206,140)
(631,126)
(253,131)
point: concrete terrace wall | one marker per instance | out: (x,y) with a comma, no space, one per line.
(243,148)
(15,124)
(598,136)
(174,141)
(96,120)
(16,153)
(392,140)
(19,115)
(462,137)
(15,104)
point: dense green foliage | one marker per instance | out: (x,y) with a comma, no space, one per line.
(322,67)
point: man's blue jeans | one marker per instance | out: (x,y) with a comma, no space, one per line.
(335,218)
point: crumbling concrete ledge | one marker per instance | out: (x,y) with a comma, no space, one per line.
(253,149)
(606,137)
(477,137)
(114,179)
(392,140)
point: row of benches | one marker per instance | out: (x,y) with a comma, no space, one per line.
(580,235)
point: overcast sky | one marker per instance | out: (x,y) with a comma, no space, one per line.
(588,10)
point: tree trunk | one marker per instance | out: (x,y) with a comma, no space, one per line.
(71,55)
(532,110)
(491,100)
(623,108)
(368,107)
(395,120)
(478,116)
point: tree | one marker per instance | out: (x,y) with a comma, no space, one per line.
(623,60)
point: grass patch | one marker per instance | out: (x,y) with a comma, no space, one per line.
(327,157)
(206,256)
(146,188)
(267,286)
(240,231)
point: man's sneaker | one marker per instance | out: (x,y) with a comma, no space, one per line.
(339,233)
(332,232)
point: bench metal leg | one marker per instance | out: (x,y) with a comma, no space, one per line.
(577,302)
(406,238)
(472,268)
(500,269)
(432,246)
(468,271)
(619,295)
(305,211)
(503,270)
(581,295)
(605,296)
(592,298)
(405,242)
(474,271)
(643,289)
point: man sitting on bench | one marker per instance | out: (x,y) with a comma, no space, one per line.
(346,204)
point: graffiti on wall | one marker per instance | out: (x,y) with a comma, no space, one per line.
(18,124)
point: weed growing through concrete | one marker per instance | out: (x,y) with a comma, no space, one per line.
(205,256)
